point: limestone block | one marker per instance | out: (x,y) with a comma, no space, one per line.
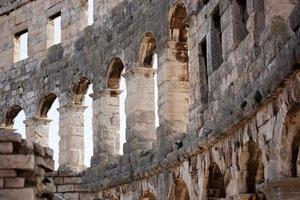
(14,182)
(86,196)
(8,173)
(1,183)
(17,194)
(65,188)
(6,147)
(17,162)
(72,180)
(9,137)
(59,180)
(71,196)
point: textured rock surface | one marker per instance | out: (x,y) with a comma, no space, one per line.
(228,99)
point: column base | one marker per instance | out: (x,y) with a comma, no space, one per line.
(284,188)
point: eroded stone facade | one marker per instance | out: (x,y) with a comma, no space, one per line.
(228,98)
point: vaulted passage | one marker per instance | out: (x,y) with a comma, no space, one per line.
(215,185)
(179,191)
(252,171)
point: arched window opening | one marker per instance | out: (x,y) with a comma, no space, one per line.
(295,162)
(88,129)
(80,89)
(179,32)
(215,185)
(179,191)
(148,196)
(19,124)
(53,115)
(11,115)
(147,48)
(48,110)
(122,114)
(114,72)
(46,105)
(252,170)
(14,119)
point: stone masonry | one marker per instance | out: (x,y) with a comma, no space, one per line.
(228,81)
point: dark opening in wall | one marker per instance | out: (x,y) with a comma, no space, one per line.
(253,167)
(179,191)
(295,154)
(179,32)
(243,18)
(215,185)
(203,76)
(216,39)
(46,104)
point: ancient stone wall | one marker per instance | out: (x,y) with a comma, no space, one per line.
(23,169)
(228,95)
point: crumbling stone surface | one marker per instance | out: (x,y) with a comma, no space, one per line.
(228,99)
(23,169)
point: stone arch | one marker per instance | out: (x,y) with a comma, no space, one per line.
(45,104)
(11,114)
(215,188)
(146,51)
(148,196)
(252,170)
(80,89)
(179,31)
(179,191)
(114,72)
(291,142)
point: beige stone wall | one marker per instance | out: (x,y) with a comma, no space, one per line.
(228,80)
(23,168)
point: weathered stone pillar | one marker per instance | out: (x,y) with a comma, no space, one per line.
(173,92)
(140,109)
(106,126)
(71,132)
(37,130)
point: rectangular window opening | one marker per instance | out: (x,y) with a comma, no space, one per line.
(203,75)
(243,16)
(21,46)
(54,30)
(217,39)
(90,12)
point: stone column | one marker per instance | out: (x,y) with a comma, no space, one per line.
(173,93)
(37,130)
(139,109)
(106,126)
(71,132)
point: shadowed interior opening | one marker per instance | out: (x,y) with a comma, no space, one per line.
(114,72)
(11,115)
(46,104)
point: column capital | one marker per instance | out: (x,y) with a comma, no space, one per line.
(37,119)
(106,92)
(139,71)
(71,106)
